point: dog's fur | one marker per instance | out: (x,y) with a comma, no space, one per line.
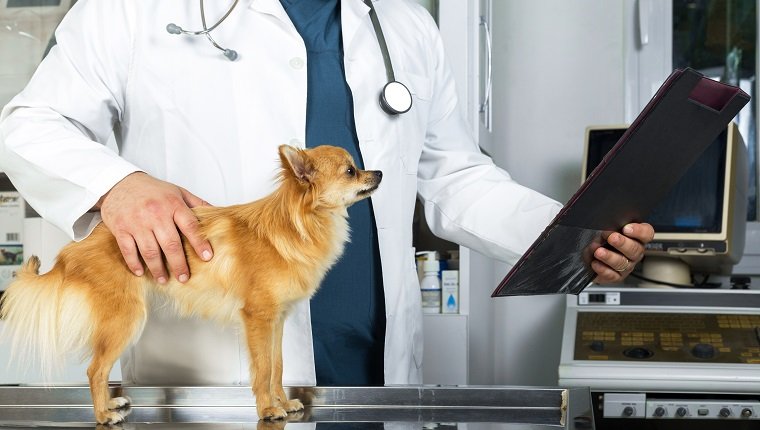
(268,255)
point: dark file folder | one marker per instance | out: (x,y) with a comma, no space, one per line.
(683,118)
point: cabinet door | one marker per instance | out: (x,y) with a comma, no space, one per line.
(445,350)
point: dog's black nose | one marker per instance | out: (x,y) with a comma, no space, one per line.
(378,174)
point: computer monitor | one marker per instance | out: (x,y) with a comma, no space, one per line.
(700,225)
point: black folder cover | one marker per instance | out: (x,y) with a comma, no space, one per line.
(685,115)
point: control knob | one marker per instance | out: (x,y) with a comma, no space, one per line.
(746,413)
(725,412)
(681,412)
(659,412)
(638,352)
(704,351)
(628,411)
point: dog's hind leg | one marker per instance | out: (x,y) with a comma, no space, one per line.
(113,333)
(259,321)
(291,405)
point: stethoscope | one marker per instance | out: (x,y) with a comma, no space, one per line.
(395,97)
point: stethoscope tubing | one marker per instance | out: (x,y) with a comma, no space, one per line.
(391,105)
(206,30)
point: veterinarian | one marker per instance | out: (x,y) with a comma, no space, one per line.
(193,126)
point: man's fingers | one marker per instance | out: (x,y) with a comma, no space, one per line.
(604,273)
(613,265)
(149,214)
(631,249)
(151,253)
(614,260)
(643,232)
(171,244)
(191,199)
(189,226)
(129,253)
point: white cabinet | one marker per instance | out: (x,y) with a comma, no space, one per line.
(445,352)
(70,371)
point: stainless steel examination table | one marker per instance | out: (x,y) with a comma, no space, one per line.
(402,407)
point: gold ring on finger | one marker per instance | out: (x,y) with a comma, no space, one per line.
(625,266)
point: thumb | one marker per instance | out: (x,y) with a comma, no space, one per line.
(191,199)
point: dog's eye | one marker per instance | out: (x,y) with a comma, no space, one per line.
(351,171)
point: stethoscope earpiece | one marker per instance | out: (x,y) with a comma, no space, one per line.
(172,28)
(231,54)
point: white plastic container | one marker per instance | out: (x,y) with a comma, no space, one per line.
(430,286)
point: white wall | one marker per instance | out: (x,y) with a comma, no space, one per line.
(558,67)
(24,36)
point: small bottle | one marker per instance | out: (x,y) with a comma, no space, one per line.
(431,284)
(450,292)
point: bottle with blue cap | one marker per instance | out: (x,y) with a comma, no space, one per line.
(430,286)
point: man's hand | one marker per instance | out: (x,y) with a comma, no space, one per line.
(615,265)
(145,214)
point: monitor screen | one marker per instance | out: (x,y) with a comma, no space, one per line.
(695,204)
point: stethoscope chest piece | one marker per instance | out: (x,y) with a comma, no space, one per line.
(395,98)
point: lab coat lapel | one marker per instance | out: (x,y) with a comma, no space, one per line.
(352,14)
(270,7)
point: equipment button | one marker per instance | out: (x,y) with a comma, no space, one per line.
(747,412)
(703,412)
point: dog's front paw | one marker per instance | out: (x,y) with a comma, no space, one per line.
(293,405)
(110,418)
(119,403)
(273,413)
(295,416)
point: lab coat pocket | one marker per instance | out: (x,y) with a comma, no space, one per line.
(419,85)
(412,125)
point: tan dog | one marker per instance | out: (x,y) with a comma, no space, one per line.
(268,255)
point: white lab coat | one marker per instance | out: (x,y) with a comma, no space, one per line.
(182,112)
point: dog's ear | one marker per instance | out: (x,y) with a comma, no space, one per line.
(298,163)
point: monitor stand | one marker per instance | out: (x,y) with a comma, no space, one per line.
(666,269)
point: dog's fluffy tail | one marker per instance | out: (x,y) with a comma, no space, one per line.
(43,319)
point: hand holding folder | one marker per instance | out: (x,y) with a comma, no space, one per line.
(683,118)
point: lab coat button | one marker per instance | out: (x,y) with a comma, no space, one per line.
(296,63)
